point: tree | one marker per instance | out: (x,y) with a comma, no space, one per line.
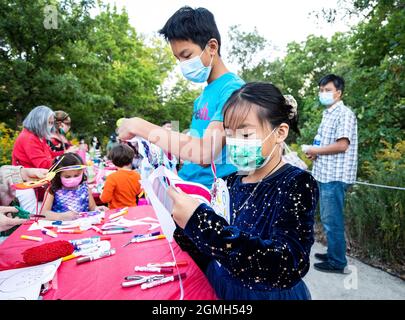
(29,51)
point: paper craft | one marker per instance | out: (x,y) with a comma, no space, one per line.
(25,283)
(292,157)
(122,222)
(220,199)
(83,223)
(49,176)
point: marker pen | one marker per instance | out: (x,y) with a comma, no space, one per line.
(94,239)
(163,281)
(96,256)
(49,232)
(135,280)
(117,231)
(168,264)
(31,238)
(153,269)
(162,236)
(68,231)
(119,213)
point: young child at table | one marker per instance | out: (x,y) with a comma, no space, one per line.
(121,187)
(263,251)
(69,193)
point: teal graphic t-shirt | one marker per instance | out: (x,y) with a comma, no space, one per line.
(208,107)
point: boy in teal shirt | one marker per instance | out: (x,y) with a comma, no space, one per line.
(196,43)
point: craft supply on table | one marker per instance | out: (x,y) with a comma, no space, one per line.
(163,281)
(138,279)
(49,232)
(168,264)
(22,214)
(96,256)
(25,237)
(138,236)
(117,231)
(138,240)
(154,269)
(89,249)
(47,252)
(94,239)
(69,231)
(119,213)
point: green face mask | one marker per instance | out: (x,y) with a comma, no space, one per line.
(61,131)
(246,154)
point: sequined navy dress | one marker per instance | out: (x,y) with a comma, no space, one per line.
(264,252)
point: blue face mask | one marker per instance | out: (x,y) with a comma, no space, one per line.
(194,70)
(326,98)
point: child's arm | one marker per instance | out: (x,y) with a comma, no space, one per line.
(108,191)
(281,254)
(50,215)
(92,203)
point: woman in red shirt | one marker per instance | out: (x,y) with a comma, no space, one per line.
(32,151)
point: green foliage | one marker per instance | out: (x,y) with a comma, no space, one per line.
(95,68)
(178,104)
(7,138)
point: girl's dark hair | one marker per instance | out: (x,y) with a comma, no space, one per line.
(273,107)
(69,159)
(197,25)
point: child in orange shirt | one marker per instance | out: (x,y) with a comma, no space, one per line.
(122,187)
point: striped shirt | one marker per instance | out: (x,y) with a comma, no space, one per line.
(338,122)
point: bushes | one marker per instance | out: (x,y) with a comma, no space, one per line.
(375,217)
(7,138)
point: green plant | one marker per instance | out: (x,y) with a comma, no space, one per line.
(7,138)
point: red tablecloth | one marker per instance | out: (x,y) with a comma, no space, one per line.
(101,279)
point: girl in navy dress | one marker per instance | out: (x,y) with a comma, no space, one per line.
(263,252)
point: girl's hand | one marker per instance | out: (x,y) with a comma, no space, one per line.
(101,208)
(70,215)
(183,206)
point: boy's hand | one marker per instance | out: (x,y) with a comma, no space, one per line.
(183,206)
(72,149)
(127,128)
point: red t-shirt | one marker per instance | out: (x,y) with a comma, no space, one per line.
(32,152)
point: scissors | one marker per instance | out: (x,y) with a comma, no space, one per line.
(138,279)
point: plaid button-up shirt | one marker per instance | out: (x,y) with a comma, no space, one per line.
(338,122)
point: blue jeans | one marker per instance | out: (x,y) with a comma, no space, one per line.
(332,200)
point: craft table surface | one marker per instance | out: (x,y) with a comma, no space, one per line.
(101,279)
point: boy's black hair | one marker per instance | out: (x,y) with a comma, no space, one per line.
(338,82)
(121,155)
(197,25)
(69,159)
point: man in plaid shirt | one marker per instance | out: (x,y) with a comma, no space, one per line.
(335,166)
